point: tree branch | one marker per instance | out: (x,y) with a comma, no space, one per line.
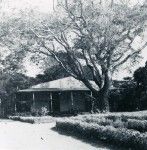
(130,55)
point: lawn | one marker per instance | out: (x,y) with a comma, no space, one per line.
(127,129)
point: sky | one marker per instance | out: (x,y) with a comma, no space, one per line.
(46,6)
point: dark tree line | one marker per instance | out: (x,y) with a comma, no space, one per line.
(9,85)
(132,95)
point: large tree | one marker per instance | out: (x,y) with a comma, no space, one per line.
(97,34)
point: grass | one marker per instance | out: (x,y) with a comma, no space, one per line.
(126,129)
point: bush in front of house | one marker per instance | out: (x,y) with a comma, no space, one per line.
(43,111)
(22,119)
(31,119)
(124,137)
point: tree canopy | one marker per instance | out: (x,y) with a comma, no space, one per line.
(98,35)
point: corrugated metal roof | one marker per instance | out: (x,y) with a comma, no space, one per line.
(64,84)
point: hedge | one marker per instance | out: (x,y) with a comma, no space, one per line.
(142,115)
(125,137)
(22,119)
(140,125)
(31,119)
(116,121)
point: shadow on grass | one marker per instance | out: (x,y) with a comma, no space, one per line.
(92,142)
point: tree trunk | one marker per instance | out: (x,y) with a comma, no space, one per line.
(104,101)
(101,102)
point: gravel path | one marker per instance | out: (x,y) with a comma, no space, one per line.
(16,135)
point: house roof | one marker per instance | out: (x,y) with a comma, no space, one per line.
(64,84)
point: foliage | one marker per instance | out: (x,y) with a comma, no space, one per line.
(39,112)
(52,73)
(122,121)
(11,60)
(100,36)
(125,137)
(140,125)
(140,76)
(57,72)
(10,84)
(125,96)
(30,119)
(130,95)
(92,34)
(127,129)
(44,111)
(18,118)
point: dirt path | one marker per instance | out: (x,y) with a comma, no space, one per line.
(23,136)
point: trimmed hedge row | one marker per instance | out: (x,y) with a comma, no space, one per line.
(126,117)
(137,125)
(114,117)
(31,119)
(22,119)
(125,137)
(107,122)
(117,122)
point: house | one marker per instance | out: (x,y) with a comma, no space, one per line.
(58,96)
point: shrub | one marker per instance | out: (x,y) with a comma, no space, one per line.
(104,122)
(31,119)
(140,125)
(125,137)
(34,112)
(22,119)
(44,111)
